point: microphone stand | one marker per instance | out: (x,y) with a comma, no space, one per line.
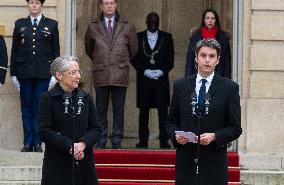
(72,114)
(196,160)
(200,114)
(75,113)
(80,105)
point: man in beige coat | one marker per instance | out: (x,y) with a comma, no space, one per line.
(111,42)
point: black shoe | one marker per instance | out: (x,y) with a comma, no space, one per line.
(27,148)
(165,145)
(142,145)
(116,146)
(38,148)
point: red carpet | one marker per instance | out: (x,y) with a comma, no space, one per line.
(146,167)
(146,183)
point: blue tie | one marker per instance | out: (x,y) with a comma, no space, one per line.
(202,92)
(35,22)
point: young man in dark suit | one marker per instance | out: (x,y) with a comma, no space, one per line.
(221,126)
(35,45)
(153,62)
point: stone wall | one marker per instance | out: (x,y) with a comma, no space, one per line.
(263,84)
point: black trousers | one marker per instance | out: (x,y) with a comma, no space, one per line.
(117,95)
(144,125)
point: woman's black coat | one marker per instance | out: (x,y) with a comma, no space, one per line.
(224,67)
(56,132)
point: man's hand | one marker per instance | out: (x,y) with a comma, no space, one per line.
(79,156)
(181,140)
(80,147)
(150,74)
(158,73)
(16,83)
(207,138)
(78,150)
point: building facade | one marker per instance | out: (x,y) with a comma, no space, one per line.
(257,42)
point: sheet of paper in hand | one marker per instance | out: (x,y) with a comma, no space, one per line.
(189,135)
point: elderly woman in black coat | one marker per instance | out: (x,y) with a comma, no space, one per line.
(68,125)
(210,28)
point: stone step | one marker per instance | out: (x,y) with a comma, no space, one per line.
(262,177)
(31,175)
(17,158)
(19,182)
(20,173)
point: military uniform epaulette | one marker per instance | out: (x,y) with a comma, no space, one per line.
(22,20)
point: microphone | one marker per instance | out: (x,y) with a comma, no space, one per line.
(207,103)
(193,97)
(80,103)
(67,99)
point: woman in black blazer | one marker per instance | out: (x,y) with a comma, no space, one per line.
(210,28)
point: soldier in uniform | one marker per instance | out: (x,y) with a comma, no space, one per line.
(3,60)
(35,46)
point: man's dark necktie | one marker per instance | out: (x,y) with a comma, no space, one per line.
(35,22)
(202,92)
(109,30)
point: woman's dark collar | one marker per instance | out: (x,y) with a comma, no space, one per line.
(58,91)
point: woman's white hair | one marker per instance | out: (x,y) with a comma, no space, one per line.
(60,64)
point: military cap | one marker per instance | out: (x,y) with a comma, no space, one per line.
(42,1)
